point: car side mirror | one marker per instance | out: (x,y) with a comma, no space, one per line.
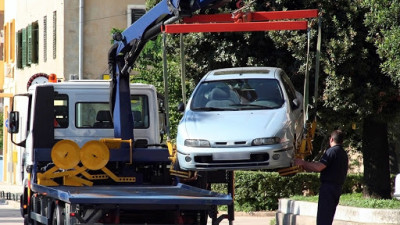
(295,104)
(13,122)
(181,107)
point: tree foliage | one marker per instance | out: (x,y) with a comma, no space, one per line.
(150,70)
(383,21)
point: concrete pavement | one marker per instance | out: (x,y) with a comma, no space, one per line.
(292,212)
(10,214)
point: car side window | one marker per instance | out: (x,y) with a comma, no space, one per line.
(288,87)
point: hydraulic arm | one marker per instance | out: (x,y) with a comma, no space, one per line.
(128,46)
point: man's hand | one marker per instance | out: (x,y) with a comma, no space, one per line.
(310,166)
(299,162)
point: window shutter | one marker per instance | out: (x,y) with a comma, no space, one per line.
(24,48)
(35,44)
(54,34)
(29,44)
(45,38)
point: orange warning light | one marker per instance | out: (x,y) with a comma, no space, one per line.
(53,78)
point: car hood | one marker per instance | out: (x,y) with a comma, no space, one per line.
(234,125)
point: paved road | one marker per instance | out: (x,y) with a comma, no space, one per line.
(10,215)
(248,220)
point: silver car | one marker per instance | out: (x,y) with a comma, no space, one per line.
(241,118)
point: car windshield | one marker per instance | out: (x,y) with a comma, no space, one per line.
(238,94)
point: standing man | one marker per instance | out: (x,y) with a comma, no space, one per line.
(333,167)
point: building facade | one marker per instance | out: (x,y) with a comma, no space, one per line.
(69,38)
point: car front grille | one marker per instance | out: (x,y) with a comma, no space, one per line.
(230,144)
(262,157)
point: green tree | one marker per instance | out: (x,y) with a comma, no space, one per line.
(383,21)
(150,70)
(354,90)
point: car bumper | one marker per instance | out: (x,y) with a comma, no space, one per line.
(246,158)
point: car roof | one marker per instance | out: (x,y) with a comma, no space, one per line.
(242,73)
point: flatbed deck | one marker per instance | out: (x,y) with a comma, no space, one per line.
(180,194)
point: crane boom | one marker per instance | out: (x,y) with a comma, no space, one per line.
(127,48)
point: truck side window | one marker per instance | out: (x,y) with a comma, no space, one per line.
(61,111)
(140,111)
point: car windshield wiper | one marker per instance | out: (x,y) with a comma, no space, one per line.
(214,109)
(255,106)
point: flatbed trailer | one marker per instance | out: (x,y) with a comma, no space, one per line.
(125,204)
(179,195)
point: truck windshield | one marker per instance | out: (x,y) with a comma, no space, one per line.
(97,114)
(238,94)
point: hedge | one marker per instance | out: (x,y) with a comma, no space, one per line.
(259,191)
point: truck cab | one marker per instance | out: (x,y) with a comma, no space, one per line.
(79,111)
(60,128)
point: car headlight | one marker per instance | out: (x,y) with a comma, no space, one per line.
(197,143)
(266,141)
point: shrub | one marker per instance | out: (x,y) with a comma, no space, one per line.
(258,190)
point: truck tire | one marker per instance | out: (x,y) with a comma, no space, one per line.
(203,217)
(35,207)
(27,220)
(22,202)
(58,217)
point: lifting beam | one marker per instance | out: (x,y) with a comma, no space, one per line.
(264,21)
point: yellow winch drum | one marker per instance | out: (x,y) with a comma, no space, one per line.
(94,155)
(65,154)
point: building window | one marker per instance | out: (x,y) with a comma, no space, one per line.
(45,38)
(134,12)
(27,45)
(9,42)
(54,34)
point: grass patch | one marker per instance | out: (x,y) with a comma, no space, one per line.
(357,200)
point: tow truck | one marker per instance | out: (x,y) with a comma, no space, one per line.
(76,172)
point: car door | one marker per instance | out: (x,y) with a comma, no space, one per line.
(296,110)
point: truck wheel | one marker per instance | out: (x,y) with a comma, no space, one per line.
(27,220)
(203,217)
(22,202)
(35,207)
(58,215)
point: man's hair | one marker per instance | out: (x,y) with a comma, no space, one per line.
(337,136)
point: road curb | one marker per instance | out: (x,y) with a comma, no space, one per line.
(253,214)
(300,212)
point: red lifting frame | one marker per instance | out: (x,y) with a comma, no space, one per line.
(252,21)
